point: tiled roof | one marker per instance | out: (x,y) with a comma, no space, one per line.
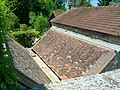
(57,13)
(25,64)
(53,15)
(69,57)
(100,19)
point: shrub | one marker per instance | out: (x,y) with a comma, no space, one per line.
(25,35)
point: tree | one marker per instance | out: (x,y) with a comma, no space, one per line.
(104,2)
(20,8)
(39,22)
(41,6)
(58,4)
(83,3)
(116,1)
(78,3)
(8,76)
(22,11)
(48,7)
(11,21)
(28,33)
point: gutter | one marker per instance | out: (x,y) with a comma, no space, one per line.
(49,73)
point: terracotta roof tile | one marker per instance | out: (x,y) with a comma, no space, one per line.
(67,56)
(53,15)
(100,19)
(57,13)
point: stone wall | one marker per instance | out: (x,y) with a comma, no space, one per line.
(105,81)
(96,35)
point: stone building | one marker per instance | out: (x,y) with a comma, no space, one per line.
(81,42)
(53,15)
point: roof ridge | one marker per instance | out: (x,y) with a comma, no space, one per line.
(91,7)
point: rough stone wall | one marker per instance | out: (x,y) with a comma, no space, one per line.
(105,81)
(96,35)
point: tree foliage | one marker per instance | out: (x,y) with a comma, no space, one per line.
(58,4)
(39,22)
(104,2)
(25,35)
(83,3)
(41,6)
(22,11)
(22,8)
(19,15)
(10,20)
(8,77)
(116,1)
